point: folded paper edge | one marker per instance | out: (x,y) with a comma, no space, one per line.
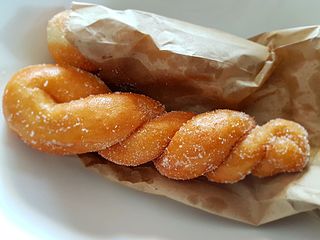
(265,213)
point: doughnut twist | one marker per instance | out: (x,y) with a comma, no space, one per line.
(65,110)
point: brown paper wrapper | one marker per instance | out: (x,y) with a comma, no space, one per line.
(184,66)
(188,67)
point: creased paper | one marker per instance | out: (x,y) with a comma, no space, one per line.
(188,67)
(184,66)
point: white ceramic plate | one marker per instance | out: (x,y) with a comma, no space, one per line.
(49,197)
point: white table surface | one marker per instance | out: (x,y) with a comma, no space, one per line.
(50,197)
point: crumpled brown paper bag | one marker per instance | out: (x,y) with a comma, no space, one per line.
(237,73)
(184,66)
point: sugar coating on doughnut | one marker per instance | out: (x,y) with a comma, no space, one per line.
(148,142)
(276,147)
(203,143)
(287,149)
(69,111)
(65,110)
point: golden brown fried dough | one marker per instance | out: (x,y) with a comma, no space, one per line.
(69,111)
(148,142)
(65,110)
(63,52)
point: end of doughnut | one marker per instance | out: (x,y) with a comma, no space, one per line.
(62,51)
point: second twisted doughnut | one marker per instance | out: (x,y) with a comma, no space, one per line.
(65,110)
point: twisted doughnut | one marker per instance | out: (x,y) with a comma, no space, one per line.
(65,110)
(69,111)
